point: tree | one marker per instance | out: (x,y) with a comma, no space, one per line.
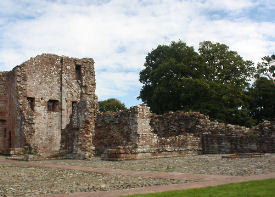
(229,76)
(212,81)
(262,93)
(225,66)
(262,103)
(266,68)
(111,104)
(162,77)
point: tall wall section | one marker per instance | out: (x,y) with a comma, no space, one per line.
(51,88)
(78,129)
(9,139)
(4,116)
(46,95)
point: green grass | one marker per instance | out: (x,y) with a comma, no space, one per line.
(265,188)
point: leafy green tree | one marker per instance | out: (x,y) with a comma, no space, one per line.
(162,77)
(262,93)
(212,81)
(266,68)
(228,74)
(111,104)
(225,66)
(262,103)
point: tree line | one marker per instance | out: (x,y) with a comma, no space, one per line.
(214,81)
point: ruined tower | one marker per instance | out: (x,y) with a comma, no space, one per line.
(42,99)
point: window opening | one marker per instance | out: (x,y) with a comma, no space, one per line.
(5,132)
(77,72)
(2,122)
(74,103)
(53,105)
(31,102)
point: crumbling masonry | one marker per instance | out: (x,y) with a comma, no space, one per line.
(136,133)
(48,107)
(44,98)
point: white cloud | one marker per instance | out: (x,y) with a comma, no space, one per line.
(119,33)
(230,5)
(116,83)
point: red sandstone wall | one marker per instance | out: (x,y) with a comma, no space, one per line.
(40,80)
(4,135)
(116,129)
(136,133)
(43,78)
(260,138)
(10,135)
(18,139)
(76,137)
(50,77)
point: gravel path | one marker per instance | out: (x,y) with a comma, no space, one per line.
(88,176)
(21,180)
(201,164)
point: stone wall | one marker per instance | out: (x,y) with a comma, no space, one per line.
(78,131)
(117,134)
(260,138)
(40,98)
(178,133)
(136,133)
(4,116)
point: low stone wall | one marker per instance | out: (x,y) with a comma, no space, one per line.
(136,133)
(222,144)
(124,134)
(260,138)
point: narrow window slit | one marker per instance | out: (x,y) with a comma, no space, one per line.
(31,102)
(78,72)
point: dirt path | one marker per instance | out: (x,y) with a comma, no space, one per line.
(198,180)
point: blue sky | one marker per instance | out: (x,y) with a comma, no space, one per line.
(119,33)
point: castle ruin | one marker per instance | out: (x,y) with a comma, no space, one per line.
(44,97)
(48,107)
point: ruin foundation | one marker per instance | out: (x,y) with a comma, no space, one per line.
(136,133)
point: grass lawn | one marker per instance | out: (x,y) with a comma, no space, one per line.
(265,188)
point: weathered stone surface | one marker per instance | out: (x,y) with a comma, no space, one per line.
(48,106)
(39,95)
(136,133)
(260,138)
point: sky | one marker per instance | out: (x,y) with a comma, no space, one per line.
(118,34)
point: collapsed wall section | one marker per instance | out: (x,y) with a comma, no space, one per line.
(178,133)
(260,139)
(136,134)
(117,134)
